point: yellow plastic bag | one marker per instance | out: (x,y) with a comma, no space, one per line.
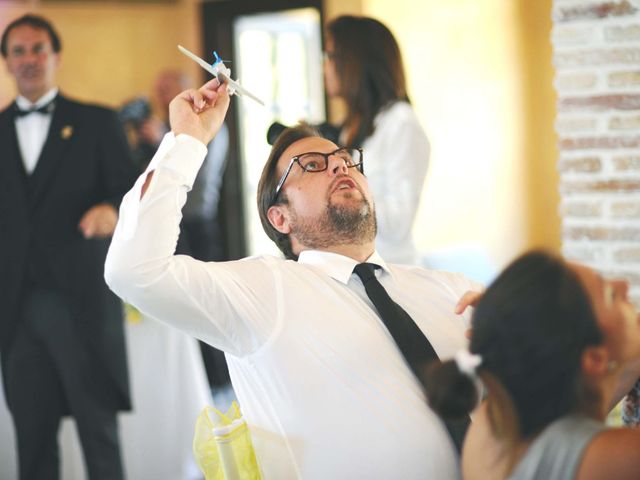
(222,446)
(132,314)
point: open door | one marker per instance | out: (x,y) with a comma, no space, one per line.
(275,49)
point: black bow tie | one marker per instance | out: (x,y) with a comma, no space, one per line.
(45,109)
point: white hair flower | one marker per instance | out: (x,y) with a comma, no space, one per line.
(467,362)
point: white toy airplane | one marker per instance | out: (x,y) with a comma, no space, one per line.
(219,70)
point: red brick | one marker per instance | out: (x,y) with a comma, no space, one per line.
(599,103)
(601,234)
(609,56)
(624,163)
(611,142)
(581,164)
(607,186)
(594,10)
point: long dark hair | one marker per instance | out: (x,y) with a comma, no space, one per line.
(530,328)
(370,70)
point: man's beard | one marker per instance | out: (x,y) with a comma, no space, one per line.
(340,225)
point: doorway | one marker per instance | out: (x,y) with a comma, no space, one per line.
(275,49)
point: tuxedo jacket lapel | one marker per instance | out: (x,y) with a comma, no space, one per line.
(58,140)
(12,164)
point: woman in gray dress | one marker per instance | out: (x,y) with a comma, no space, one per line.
(555,346)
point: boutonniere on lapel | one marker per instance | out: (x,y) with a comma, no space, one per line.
(66,132)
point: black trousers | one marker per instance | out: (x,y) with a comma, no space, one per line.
(49,376)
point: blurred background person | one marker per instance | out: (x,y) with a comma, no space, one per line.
(556,346)
(200,235)
(64,168)
(363,67)
(134,114)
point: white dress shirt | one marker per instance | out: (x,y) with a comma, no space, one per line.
(322,385)
(396,157)
(32,129)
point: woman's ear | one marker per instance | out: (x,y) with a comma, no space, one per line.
(279,218)
(595,361)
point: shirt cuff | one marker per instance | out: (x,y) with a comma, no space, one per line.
(182,154)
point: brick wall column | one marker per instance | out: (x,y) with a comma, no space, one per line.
(597,60)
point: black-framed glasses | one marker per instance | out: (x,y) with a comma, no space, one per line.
(318,162)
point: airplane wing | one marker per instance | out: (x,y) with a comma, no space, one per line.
(199,61)
(239,88)
(216,72)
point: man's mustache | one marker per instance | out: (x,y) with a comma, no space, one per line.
(30,69)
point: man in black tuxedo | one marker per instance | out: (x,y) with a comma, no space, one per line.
(64,167)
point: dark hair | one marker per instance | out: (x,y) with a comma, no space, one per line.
(531,327)
(269,180)
(369,65)
(34,21)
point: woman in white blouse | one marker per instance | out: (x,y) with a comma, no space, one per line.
(363,66)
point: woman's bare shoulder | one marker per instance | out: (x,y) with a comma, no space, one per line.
(612,454)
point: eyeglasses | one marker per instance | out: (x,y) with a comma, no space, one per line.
(318,162)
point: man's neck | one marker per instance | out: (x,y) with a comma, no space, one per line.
(359,253)
(34,97)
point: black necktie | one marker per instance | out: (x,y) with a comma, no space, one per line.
(413,344)
(46,109)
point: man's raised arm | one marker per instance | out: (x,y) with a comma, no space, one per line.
(141,267)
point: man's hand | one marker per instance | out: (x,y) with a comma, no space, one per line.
(99,221)
(200,113)
(468,299)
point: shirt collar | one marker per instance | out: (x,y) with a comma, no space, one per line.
(338,266)
(25,104)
